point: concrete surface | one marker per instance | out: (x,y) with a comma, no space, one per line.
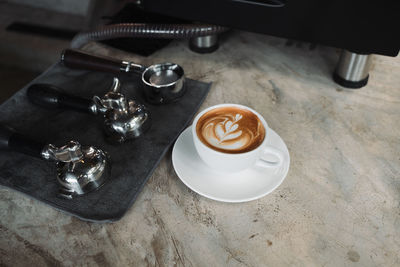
(338,206)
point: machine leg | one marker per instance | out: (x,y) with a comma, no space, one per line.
(204,44)
(352,70)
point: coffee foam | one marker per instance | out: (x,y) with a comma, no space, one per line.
(230,130)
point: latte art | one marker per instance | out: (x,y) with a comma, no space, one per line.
(230,130)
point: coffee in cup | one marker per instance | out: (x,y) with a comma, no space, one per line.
(231,138)
(230,130)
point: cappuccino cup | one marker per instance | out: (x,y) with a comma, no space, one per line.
(231,138)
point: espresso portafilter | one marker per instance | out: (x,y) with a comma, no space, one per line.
(162,83)
(80,169)
(123,119)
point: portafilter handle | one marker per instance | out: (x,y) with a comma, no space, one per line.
(80,60)
(50,96)
(13,141)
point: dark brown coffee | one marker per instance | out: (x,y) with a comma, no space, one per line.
(230,130)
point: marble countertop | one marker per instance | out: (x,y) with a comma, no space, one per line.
(338,206)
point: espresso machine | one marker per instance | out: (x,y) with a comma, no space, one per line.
(359,28)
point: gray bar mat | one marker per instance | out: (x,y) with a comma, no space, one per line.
(133,162)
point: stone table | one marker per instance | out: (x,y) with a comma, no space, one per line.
(338,206)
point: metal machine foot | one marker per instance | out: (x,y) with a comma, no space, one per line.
(204,44)
(352,70)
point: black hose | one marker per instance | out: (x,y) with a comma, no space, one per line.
(162,31)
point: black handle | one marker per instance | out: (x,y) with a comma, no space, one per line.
(80,60)
(49,96)
(12,141)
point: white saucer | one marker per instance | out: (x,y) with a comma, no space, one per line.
(247,185)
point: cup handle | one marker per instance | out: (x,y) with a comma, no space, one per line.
(270,164)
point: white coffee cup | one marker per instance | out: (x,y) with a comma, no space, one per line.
(235,162)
